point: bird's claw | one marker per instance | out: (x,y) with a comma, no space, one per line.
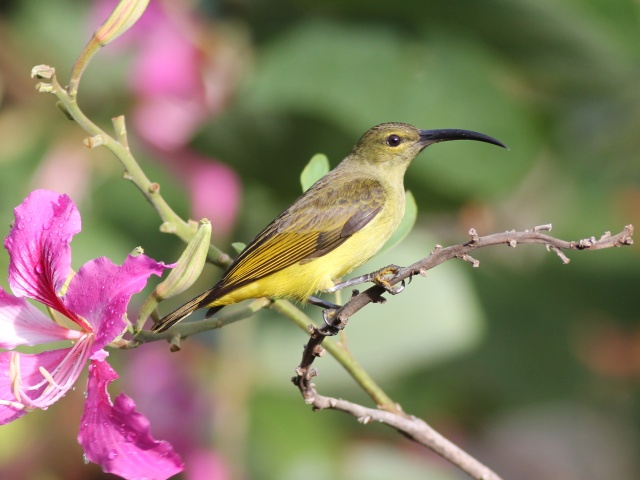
(397,288)
(380,280)
(328,318)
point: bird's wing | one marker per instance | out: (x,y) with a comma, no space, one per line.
(312,227)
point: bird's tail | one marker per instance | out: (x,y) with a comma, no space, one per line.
(184,311)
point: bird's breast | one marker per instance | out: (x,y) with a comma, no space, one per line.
(358,248)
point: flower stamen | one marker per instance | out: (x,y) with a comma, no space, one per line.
(66,372)
(14,375)
(58,382)
(47,376)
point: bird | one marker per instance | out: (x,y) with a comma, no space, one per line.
(337,225)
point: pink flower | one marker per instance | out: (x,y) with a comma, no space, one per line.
(113,435)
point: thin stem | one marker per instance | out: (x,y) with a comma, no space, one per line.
(172,222)
(187,329)
(340,353)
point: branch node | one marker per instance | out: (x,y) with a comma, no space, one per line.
(364,419)
(154,188)
(586,243)
(468,258)
(560,253)
(437,248)
(42,87)
(341,321)
(174,343)
(423,272)
(44,72)
(626,239)
(120,127)
(512,243)
(168,227)
(542,228)
(93,142)
(318,351)
(474,235)
(605,236)
(224,259)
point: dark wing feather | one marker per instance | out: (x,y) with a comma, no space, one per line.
(312,227)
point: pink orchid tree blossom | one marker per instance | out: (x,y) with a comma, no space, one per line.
(112,434)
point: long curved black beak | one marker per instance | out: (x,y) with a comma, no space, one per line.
(427,137)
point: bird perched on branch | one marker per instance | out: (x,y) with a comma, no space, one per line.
(334,227)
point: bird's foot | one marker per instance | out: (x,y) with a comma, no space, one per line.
(333,327)
(382,277)
(328,313)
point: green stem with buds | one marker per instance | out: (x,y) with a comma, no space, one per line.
(172,222)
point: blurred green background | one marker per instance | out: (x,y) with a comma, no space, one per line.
(531,365)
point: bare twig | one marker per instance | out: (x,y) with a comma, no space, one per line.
(441,255)
(414,428)
(388,412)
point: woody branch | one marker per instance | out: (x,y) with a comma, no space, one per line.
(413,427)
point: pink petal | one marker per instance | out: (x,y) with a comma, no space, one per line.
(33,384)
(117,437)
(101,290)
(38,245)
(23,324)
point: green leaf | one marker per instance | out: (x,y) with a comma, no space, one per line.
(238,246)
(407,223)
(317,167)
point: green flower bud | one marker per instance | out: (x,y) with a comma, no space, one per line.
(187,270)
(121,19)
(126,13)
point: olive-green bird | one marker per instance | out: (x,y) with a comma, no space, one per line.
(334,227)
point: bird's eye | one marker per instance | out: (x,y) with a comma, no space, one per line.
(394,140)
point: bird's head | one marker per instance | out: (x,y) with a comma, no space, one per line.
(399,143)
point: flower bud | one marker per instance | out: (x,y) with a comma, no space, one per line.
(126,13)
(186,271)
(44,72)
(121,19)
